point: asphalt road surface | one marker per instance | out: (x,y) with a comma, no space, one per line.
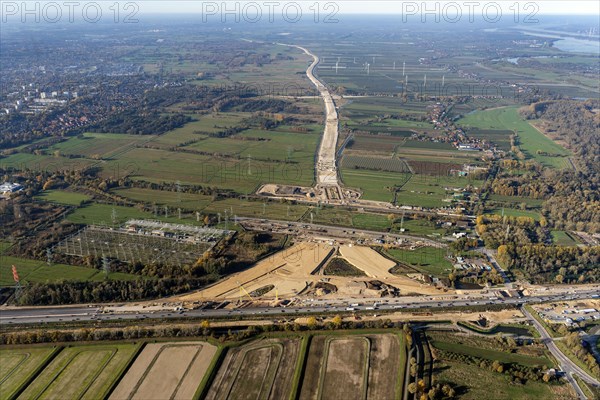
(25,315)
(568,366)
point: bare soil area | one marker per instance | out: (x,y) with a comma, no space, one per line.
(383,366)
(261,370)
(345,371)
(166,370)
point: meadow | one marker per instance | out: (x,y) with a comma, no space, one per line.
(492,355)
(62,197)
(343,217)
(36,271)
(407,189)
(476,383)
(563,238)
(190,201)
(429,260)
(98,145)
(530,139)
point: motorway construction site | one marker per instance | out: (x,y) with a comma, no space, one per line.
(299,272)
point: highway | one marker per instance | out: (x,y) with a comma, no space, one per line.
(31,315)
(328,232)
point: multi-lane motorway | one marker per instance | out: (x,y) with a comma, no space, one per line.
(29,315)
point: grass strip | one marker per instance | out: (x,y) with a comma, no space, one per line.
(35,373)
(124,370)
(300,367)
(211,373)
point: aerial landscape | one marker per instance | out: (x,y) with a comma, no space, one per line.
(294,200)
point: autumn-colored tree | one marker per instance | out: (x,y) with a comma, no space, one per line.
(337,321)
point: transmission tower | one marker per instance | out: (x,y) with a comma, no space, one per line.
(113,216)
(105,266)
(18,288)
(49,256)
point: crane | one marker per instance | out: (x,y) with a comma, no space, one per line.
(242,291)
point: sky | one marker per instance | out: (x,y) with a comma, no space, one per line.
(564,7)
(457,11)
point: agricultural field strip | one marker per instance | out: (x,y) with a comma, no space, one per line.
(266,377)
(403,369)
(23,359)
(139,372)
(250,372)
(26,368)
(69,361)
(155,359)
(325,359)
(375,163)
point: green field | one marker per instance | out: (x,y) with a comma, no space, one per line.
(189,201)
(419,227)
(429,260)
(376,222)
(18,365)
(354,219)
(62,197)
(563,238)
(270,209)
(206,205)
(376,185)
(98,145)
(478,383)
(82,372)
(197,130)
(530,139)
(413,190)
(102,214)
(25,161)
(40,272)
(430,191)
(492,355)
(242,175)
